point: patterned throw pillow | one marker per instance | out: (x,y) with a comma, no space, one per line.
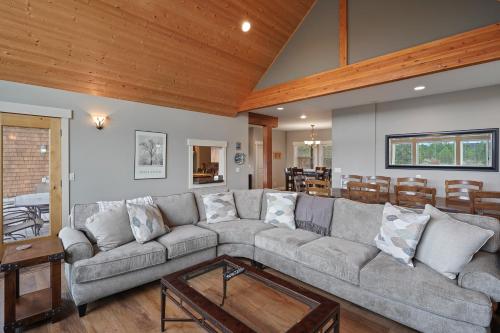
(146,221)
(220,207)
(281,209)
(400,232)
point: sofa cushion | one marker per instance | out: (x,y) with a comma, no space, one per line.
(110,228)
(123,259)
(248,203)
(263,208)
(186,239)
(281,209)
(485,222)
(337,257)
(482,274)
(178,209)
(79,215)
(146,221)
(425,289)
(219,207)
(237,232)
(284,241)
(356,221)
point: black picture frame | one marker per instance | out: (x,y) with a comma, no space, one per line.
(164,150)
(494,153)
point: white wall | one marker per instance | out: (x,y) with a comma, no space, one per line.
(103,161)
(279,145)
(359,133)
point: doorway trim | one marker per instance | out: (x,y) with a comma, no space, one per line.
(65,115)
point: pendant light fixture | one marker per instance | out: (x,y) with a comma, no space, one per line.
(312,140)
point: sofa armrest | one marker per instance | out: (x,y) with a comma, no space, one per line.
(482,274)
(76,245)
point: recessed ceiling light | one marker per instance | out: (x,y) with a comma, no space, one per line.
(279,108)
(245,26)
(303,116)
(418,88)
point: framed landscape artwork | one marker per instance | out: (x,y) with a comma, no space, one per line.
(150,155)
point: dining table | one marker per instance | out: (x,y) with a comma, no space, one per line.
(37,203)
(441,203)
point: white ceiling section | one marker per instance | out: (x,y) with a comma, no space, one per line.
(318,110)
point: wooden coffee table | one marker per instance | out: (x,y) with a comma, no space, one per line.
(22,310)
(210,309)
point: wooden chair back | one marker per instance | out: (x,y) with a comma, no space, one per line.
(460,190)
(300,183)
(414,196)
(486,203)
(318,187)
(363,192)
(289,185)
(412,181)
(349,178)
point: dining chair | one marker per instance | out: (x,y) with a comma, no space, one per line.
(459,191)
(411,181)
(344,179)
(385,186)
(300,183)
(317,187)
(363,192)
(17,220)
(414,196)
(486,203)
(289,185)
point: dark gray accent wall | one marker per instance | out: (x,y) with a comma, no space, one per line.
(103,161)
(384,26)
(312,49)
(376,27)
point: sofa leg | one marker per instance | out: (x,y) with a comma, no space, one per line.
(257,264)
(82,309)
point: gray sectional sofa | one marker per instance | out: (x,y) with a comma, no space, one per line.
(346,263)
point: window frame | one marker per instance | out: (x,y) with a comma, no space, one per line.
(411,137)
(317,153)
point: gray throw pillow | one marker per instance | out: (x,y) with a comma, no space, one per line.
(400,232)
(447,245)
(220,207)
(281,209)
(146,221)
(111,228)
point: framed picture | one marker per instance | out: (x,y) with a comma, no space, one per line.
(150,155)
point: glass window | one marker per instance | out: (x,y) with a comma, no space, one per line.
(475,149)
(303,156)
(309,157)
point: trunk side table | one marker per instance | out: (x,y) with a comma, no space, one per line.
(22,310)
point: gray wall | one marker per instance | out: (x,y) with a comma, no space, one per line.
(359,133)
(384,26)
(103,161)
(297,136)
(375,28)
(312,49)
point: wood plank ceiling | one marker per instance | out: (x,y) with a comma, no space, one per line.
(189,54)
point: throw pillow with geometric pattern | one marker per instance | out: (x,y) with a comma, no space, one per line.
(281,209)
(146,221)
(220,207)
(400,232)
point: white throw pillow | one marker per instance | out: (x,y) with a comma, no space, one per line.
(146,221)
(281,209)
(111,228)
(447,245)
(400,232)
(220,207)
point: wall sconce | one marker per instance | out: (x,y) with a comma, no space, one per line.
(99,122)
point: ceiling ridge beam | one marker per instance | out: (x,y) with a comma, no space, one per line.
(464,49)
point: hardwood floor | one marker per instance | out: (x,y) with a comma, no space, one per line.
(138,310)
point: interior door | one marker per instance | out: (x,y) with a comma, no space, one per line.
(259,165)
(30,177)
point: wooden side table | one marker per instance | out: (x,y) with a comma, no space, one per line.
(21,310)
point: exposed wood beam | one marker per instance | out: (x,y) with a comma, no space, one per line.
(268,123)
(343,33)
(465,49)
(262,120)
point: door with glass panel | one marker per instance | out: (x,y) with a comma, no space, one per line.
(30,177)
